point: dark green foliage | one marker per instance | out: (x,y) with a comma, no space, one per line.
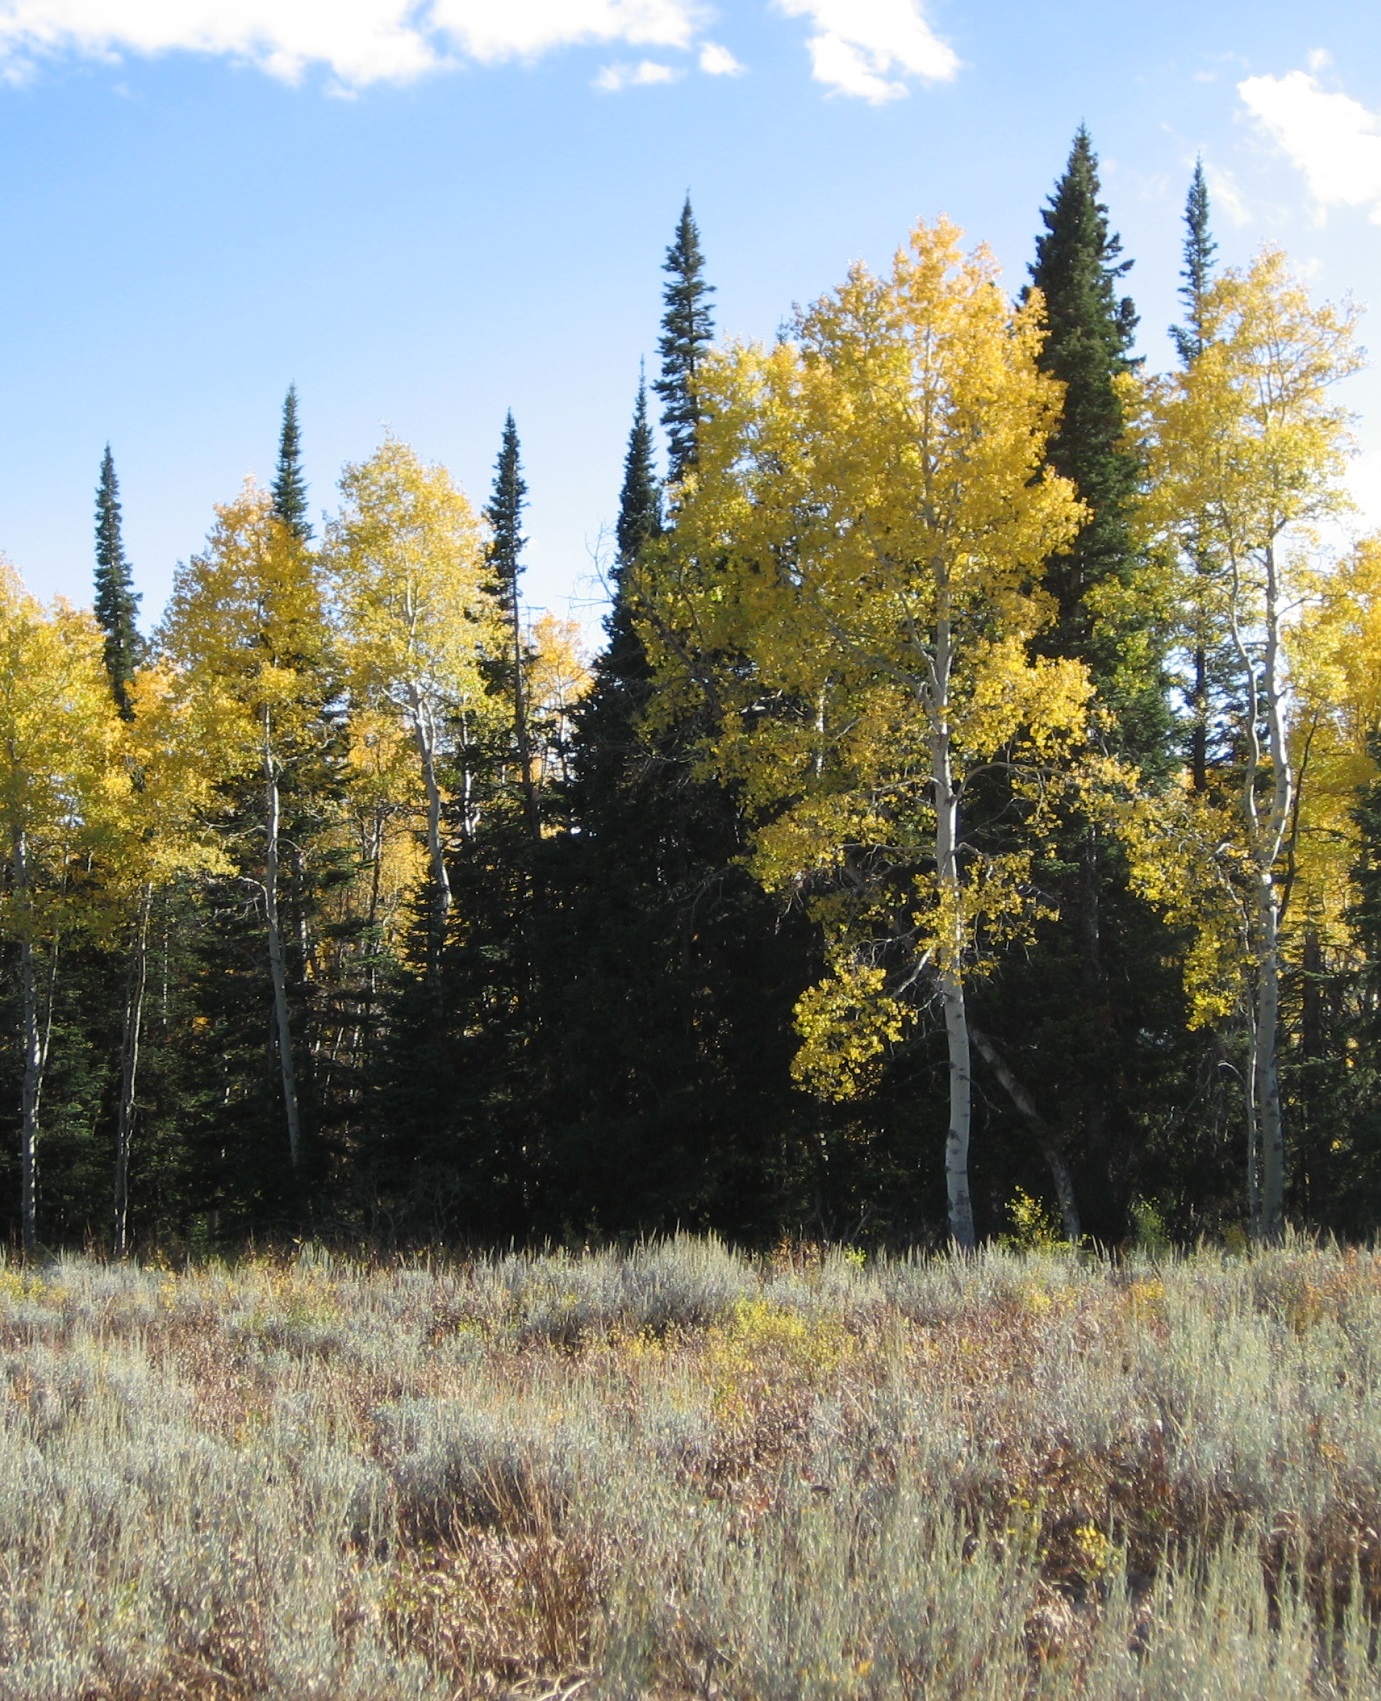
(1210,686)
(1199,250)
(508,672)
(687,331)
(1090,1016)
(117,604)
(289,483)
(504,512)
(1078,269)
(640,500)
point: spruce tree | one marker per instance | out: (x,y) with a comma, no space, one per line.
(640,500)
(687,331)
(1208,670)
(117,604)
(1199,252)
(1078,269)
(505,516)
(1081,1017)
(289,483)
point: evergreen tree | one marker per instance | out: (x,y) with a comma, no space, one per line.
(669,1011)
(640,501)
(687,331)
(1078,268)
(117,603)
(1210,666)
(289,483)
(1199,251)
(1080,1018)
(608,720)
(505,516)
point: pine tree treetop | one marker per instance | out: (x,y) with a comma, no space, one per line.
(289,484)
(1199,251)
(504,514)
(640,501)
(116,602)
(687,331)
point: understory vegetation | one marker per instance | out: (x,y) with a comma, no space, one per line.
(675,1472)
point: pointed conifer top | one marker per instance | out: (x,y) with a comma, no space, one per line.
(289,484)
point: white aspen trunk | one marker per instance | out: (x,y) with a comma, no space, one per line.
(1253,1136)
(31,1047)
(1265,836)
(277,969)
(951,974)
(425,734)
(129,1070)
(1266,1068)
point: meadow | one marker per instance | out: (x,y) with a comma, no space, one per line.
(680,1472)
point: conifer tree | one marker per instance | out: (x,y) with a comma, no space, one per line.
(1078,269)
(289,484)
(505,516)
(1074,1015)
(687,331)
(1199,250)
(117,603)
(640,501)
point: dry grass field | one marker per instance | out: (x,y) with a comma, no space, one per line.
(681,1473)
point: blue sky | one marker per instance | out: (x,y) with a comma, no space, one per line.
(425,214)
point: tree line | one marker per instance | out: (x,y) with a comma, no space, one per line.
(975,799)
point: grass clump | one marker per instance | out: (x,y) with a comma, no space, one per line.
(680,1473)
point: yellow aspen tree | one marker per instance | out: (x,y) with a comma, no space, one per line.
(558,678)
(63,789)
(852,583)
(247,640)
(174,759)
(1336,721)
(1248,457)
(407,562)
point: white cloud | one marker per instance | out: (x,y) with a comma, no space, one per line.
(360,41)
(865,47)
(1334,140)
(1225,194)
(615,77)
(717,61)
(506,29)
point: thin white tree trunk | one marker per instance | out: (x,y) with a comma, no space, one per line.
(1265,832)
(129,1069)
(277,968)
(951,955)
(1266,1063)
(31,1048)
(425,734)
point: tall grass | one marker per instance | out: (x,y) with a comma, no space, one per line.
(678,1473)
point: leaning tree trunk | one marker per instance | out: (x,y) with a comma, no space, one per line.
(1055,1160)
(129,1068)
(277,968)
